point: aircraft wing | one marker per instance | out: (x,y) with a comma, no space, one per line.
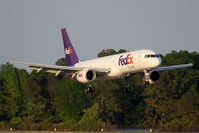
(59,69)
(172,67)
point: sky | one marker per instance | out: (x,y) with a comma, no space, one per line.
(30,29)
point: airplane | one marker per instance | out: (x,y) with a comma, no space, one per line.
(110,67)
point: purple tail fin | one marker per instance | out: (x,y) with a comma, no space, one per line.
(71,57)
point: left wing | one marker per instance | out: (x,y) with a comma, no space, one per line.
(59,69)
(172,67)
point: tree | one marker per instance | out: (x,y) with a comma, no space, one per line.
(121,51)
(107,100)
(70,99)
(110,52)
(12,81)
(106,52)
(160,103)
(61,62)
(36,100)
(91,120)
(39,91)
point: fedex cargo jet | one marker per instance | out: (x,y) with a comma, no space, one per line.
(104,68)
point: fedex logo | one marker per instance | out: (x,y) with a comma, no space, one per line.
(68,51)
(80,75)
(124,61)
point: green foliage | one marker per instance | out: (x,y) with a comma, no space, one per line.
(70,99)
(41,101)
(106,52)
(110,52)
(91,120)
(108,101)
(12,91)
(37,89)
(61,62)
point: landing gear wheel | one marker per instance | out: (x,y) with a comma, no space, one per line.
(126,90)
(146,82)
(90,89)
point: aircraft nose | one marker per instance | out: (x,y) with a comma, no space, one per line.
(157,62)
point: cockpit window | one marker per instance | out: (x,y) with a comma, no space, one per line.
(157,55)
(151,55)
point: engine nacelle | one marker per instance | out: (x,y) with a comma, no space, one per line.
(86,76)
(151,77)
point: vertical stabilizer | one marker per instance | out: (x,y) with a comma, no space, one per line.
(71,57)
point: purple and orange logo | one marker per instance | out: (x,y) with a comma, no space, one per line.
(80,75)
(125,61)
(68,51)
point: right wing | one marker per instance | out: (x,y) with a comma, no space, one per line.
(172,67)
(59,69)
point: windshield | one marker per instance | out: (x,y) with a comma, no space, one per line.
(151,56)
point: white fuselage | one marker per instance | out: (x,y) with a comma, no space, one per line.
(124,64)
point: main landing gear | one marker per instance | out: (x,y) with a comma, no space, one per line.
(90,89)
(126,89)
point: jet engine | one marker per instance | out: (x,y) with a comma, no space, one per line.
(86,76)
(151,77)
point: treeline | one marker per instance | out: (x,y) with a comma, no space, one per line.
(41,101)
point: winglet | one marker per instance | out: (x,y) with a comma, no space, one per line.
(71,57)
